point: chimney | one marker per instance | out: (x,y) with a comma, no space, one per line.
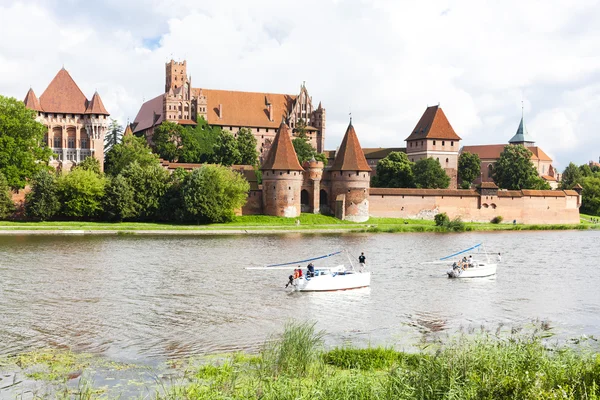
(220,111)
(270,112)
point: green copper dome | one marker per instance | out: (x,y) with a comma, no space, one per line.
(522,136)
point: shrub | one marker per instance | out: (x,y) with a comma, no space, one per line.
(456,225)
(81,192)
(441,219)
(497,219)
(42,202)
(7,207)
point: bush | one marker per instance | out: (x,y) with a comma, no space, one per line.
(7,207)
(456,225)
(81,192)
(42,202)
(441,219)
(497,219)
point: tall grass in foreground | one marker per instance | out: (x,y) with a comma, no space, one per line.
(483,366)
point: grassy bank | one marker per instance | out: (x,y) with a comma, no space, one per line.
(296,366)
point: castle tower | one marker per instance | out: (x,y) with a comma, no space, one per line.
(434,137)
(310,197)
(176,75)
(318,121)
(350,178)
(282,177)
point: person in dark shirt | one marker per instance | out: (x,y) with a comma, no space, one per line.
(311,270)
(361,260)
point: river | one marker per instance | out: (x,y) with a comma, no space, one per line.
(145,299)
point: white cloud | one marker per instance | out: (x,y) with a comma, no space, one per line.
(384,61)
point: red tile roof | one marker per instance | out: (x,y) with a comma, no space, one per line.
(95,106)
(186,122)
(282,155)
(510,193)
(543,193)
(492,152)
(423,192)
(539,154)
(548,178)
(149,115)
(488,185)
(571,193)
(350,156)
(63,96)
(433,125)
(31,101)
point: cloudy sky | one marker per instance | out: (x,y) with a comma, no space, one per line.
(384,61)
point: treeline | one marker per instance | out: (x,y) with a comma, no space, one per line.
(136,188)
(397,171)
(589,178)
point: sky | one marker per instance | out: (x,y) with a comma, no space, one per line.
(484,62)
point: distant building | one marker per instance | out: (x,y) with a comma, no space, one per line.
(262,113)
(76,126)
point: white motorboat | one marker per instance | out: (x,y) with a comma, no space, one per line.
(322,279)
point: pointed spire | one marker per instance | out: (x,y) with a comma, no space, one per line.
(522,136)
(63,95)
(128,131)
(433,125)
(282,155)
(95,106)
(350,156)
(31,101)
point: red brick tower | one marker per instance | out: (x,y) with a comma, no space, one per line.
(350,178)
(282,177)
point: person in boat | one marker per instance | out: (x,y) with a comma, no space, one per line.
(299,272)
(499,257)
(290,280)
(311,270)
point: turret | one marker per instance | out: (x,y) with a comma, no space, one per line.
(311,188)
(350,178)
(282,177)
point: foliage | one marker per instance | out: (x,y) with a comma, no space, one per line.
(226,151)
(81,192)
(213,193)
(192,149)
(514,170)
(246,143)
(441,219)
(166,140)
(586,170)
(149,184)
(132,149)
(119,203)
(43,203)
(172,206)
(497,219)
(469,167)
(571,176)
(394,171)
(456,225)
(429,174)
(89,164)
(590,202)
(23,152)
(114,135)
(305,151)
(7,207)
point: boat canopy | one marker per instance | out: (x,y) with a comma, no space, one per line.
(460,252)
(284,265)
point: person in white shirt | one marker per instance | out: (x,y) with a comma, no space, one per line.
(499,257)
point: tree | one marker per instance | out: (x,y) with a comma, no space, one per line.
(7,206)
(571,176)
(586,170)
(42,203)
(119,203)
(149,183)
(167,139)
(305,151)
(246,143)
(114,135)
(172,207)
(590,202)
(226,150)
(300,129)
(213,193)
(132,149)
(469,168)
(90,164)
(429,174)
(514,170)
(81,192)
(394,171)
(23,152)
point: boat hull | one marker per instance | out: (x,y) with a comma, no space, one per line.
(479,271)
(334,282)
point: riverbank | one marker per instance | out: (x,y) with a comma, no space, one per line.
(295,365)
(261,225)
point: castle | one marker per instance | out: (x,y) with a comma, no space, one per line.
(76,126)
(230,110)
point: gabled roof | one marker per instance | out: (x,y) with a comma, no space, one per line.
(492,152)
(95,106)
(433,125)
(282,154)
(31,101)
(63,96)
(128,131)
(146,117)
(249,109)
(522,136)
(350,156)
(539,154)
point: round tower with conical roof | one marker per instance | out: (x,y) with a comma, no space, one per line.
(282,177)
(350,179)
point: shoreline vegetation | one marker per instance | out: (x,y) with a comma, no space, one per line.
(502,364)
(261,224)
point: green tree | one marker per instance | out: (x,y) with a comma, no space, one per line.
(394,171)
(305,151)
(42,203)
(172,207)
(514,170)
(81,192)
(132,149)
(23,152)
(167,140)
(246,143)
(226,150)
(586,170)
(7,206)
(571,176)
(213,193)
(590,196)
(300,129)
(429,174)
(114,135)
(90,164)
(149,183)
(469,168)
(119,202)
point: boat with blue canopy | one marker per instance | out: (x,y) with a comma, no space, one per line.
(471,266)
